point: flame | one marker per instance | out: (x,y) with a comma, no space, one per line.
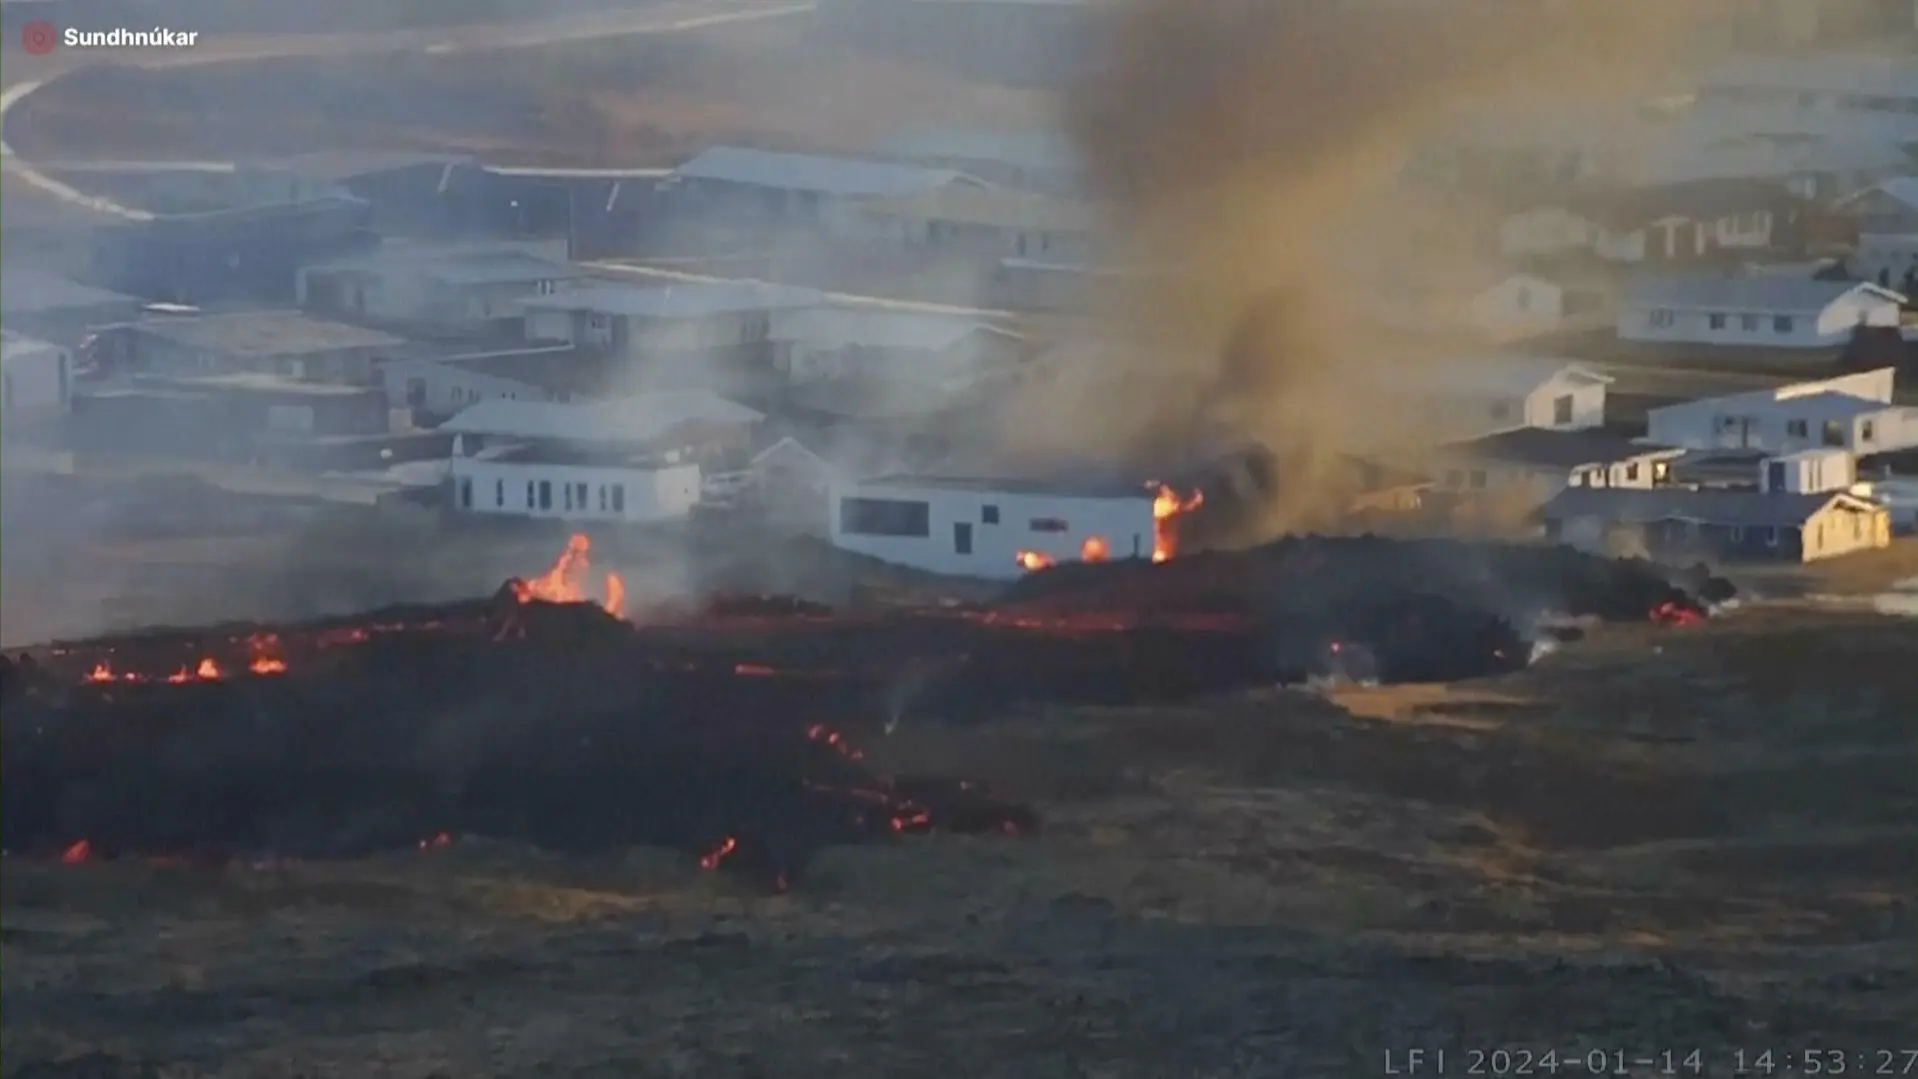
(562,583)
(1032,560)
(265,648)
(77,853)
(1094,549)
(1167,506)
(712,858)
(1673,614)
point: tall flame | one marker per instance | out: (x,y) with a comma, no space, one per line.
(1167,507)
(563,582)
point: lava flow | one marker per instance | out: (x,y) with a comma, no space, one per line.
(564,582)
(1167,507)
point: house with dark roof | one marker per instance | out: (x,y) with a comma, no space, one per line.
(1759,310)
(463,289)
(1717,524)
(1531,464)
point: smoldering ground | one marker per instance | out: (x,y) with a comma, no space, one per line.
(1252,151)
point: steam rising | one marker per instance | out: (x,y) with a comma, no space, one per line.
(1253,149)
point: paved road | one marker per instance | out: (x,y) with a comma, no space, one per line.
(25,74)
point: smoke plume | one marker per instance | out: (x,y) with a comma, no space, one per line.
(1251,149)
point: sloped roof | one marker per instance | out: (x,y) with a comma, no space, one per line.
(24,290)
(690,300)
(1902,189)
(842,176)
(1745,509)
(839,327)
(1540,447)
(264,333)
(644,418)
(1764,293)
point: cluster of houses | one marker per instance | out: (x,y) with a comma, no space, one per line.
(552,384)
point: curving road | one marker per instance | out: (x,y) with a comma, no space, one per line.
(665,18)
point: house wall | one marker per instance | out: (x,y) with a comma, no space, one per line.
(1587,406)
(1743,423)
(1126,525)
(1519,303)
(161,356)
(1637,473)
(442,389)
(402,296)
(962,239)
(633,332)
(980,351)
(515,489)
(1811,472)
(1759,329)
(40,380)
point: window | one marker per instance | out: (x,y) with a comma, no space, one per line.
(1866,432)
(1748,323)
(1661,317)
(619,498)
(566,496)
(1727,423)
(962,537)
(1477,479)
(1562,408)
(885,517)
(1736,533)
(1631,472)
(1797,429)
(499,494)
(1782,323)
(1771,537)
(602,498)
(1834,433)
(579,495)
(466,493)
(1717,320)
(988,515)
(548,287)
(1050,524)
(545,494)
(530,500)
(415,392)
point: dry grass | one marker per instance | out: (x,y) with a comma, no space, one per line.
(1680,836)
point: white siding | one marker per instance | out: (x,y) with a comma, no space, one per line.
(1759,329)
(1811,472)
(1587,405)
(502,488)
(37,379)
(1637,473)
(1125,524)
(1779,427)
(445,388)
(549,325)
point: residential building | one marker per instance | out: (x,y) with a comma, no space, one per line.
(1851,412)
(1828,81)
(738,185)
(1718,524)
(35,376)
(435,388)
(1530,464)
(1042,161)
(1468,397)
(1765,311)
(662,318)
(250,255)
(1689,221)
(1887,218)
(57,309)
(471,290)
(1820,168)
(261,342)
(1525,305)
(986,224)
(238,416)
(635,460)
(812,343)
(994,529)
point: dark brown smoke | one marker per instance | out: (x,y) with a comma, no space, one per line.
(1252,146)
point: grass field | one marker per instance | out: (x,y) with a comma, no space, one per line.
(1656,837)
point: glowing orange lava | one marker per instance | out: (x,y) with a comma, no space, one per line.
(1094,549)
(712,858)
(562,583)
(1032,560)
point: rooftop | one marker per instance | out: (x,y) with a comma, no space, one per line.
(1745,509)
(1060,488)
(16,345)
(1767,293)
(1553,449)
(249,382)
(841,327)
(695,300)
(265,333)
(459,266)
(631,420)
(991,209)
(26,291)
(842,176)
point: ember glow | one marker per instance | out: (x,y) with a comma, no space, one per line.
(1094,549)
(712,858)
(1674,614)
(1167,507)
(565,582)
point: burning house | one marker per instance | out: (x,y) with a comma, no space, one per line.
(633,460)
(996,528)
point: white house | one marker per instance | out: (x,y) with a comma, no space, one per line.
(843,342)
(633,460)
(987,528)
(662,318)
(1668,222)
(1887,217)
(467,289)
(1765,310)
(1525,305)
(986,223)
(35,376)
(1534,463)
(1851,412)
(444,385)
(1467,397)
(739,184)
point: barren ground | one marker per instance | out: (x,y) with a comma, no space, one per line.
(1657,838)
(628,101)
